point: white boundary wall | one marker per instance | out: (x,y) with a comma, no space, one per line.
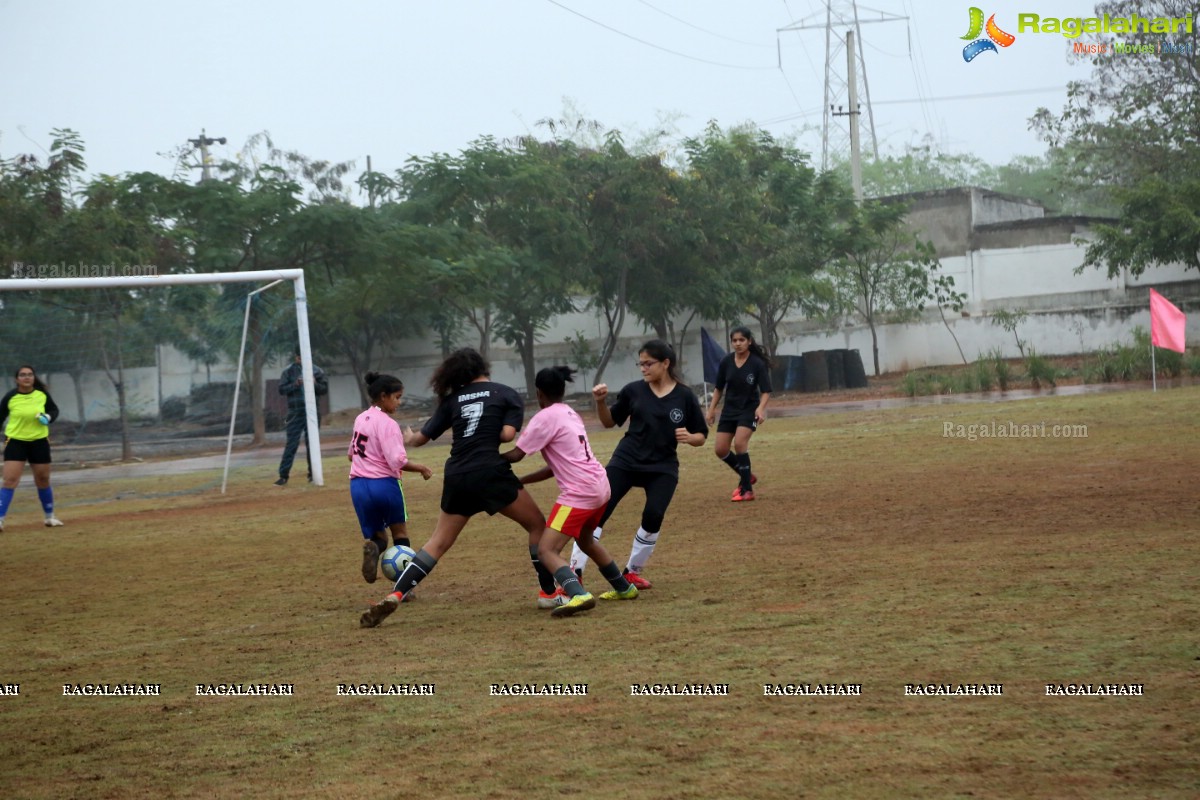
(1067,313)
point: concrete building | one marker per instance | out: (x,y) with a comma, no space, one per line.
(1006,253)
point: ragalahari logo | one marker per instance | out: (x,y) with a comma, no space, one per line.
(995,36)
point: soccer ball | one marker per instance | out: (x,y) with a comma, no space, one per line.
(394,560)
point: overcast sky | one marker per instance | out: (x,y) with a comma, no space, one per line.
(342,81)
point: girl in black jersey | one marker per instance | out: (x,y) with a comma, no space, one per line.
(744,380)
(662,413)
(482,415)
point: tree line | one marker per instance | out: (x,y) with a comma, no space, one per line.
(488,244)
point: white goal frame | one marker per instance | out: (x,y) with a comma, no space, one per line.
(296,276)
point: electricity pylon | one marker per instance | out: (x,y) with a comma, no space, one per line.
(843,15)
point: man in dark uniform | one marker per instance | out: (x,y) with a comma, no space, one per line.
(291,386)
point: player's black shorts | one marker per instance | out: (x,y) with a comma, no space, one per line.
(35,452)
(490,490)
(731,425)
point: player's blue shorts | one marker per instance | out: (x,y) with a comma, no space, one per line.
(379,502)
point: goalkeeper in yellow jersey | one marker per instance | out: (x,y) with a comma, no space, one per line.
(26,413)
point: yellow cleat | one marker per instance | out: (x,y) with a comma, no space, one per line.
(580,602)
(629,594)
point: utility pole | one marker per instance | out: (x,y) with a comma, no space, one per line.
(370,185)
(855,153)
(202,143)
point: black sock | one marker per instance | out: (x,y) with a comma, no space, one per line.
(732,460)
(569,581)
(545,579)
(417,570)
(402,542)
(743,469)
(612,574)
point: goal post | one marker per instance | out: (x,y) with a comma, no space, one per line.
(295,276)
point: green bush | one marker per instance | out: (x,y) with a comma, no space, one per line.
(1102,367)
(1002,369)
(1040,371)
(984,375)
(1168,362)
(941,384)
(921,384)
(913,384)
(1134,361)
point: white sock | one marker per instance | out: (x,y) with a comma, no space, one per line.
(642,549)
(579,559)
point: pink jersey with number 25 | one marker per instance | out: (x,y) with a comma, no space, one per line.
(376,446)
(558,432)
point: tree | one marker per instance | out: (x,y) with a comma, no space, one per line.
(512,203)
(358,263)
(1044,178)
(241,222)
(110,226)
(34,198)
(923,168)
(882,274)
(638,234)
(1010,321)
(1134,128)
(322,181)
(771,222)
(941,289)
(920,168)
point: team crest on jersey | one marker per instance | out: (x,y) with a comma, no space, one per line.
(677,415)
(750,379)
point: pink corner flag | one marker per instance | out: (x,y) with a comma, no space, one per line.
(1167,323)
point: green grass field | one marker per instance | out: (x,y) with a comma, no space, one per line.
(879,553)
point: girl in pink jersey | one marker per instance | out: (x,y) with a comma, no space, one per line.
(558,432)
(377,457)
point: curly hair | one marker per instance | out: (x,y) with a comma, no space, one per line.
(460,368)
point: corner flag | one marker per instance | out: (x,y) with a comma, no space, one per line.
(1167,324)
(712,354)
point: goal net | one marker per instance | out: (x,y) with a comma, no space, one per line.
(145,370)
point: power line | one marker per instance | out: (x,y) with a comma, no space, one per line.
(651,44)
(1042,90)
(795,97)
(702,30)
(920,73)
(789,118)
(982,95)
(881,51)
